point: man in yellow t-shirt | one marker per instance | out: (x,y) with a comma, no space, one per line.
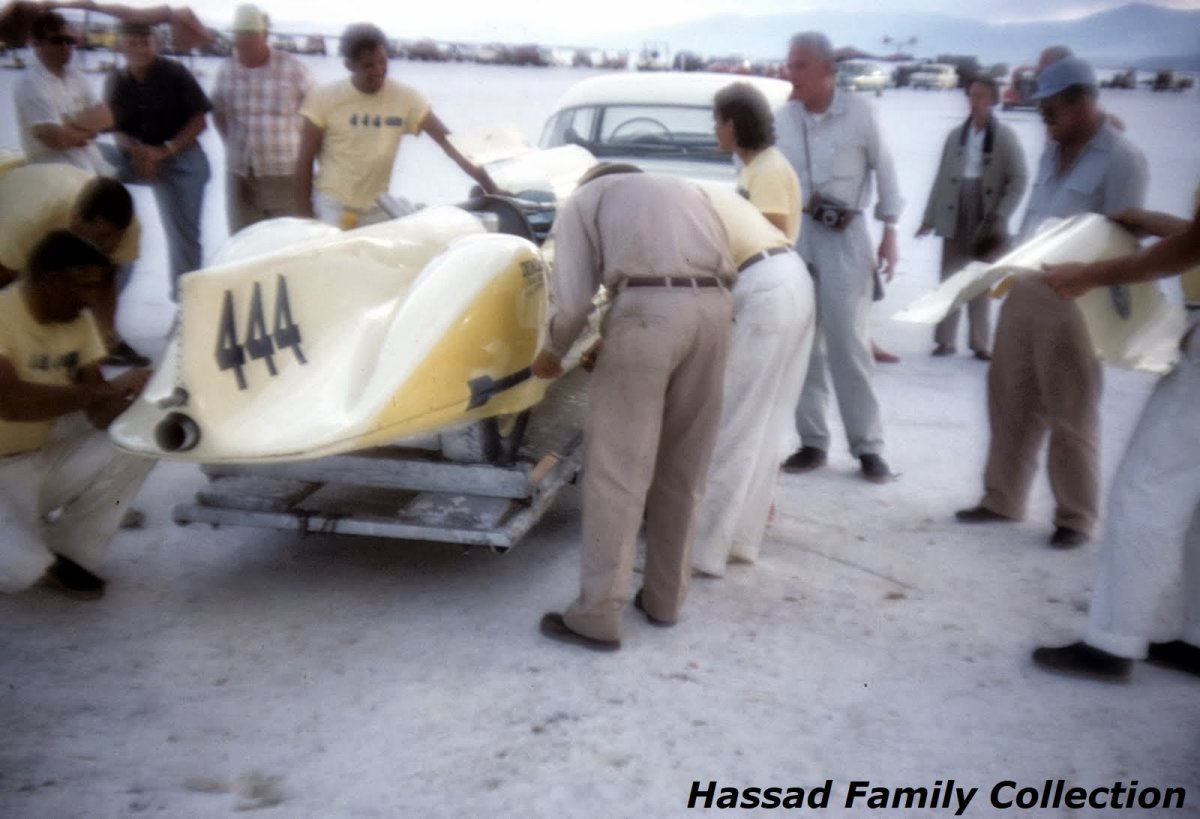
(64,488)
(353,128)
(40,198)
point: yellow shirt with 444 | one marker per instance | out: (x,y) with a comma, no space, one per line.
(361,137)
(50,354)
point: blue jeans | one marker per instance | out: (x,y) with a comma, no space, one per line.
(179,192)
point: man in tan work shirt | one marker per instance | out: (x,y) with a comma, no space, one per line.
(655,398)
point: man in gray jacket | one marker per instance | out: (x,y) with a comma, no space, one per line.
(834,143)
(979,184)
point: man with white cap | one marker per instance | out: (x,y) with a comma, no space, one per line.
(1044,374)
(256,107)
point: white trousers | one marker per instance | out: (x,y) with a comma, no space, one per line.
(773,325)
(67,498)
(1152,532)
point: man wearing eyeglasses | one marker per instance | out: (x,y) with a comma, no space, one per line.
(58,114)
(1044,376)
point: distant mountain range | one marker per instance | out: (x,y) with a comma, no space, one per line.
(1136,35)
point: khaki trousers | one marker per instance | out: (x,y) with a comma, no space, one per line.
(654,404)
(250,199)
(1044,378)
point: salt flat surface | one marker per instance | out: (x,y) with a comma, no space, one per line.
(877,640)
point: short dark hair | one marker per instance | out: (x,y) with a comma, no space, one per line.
(62,252)
(987,82)
(46,24)
(361,38)
(105,198)
(748,109)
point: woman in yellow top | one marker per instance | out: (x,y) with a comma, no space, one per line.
(772,334)
(353,127)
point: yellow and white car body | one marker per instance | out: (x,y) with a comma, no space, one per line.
(306,341)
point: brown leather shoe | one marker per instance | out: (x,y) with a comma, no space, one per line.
(875,468)
(554,627)
(979,514)
(640,606)
(805,459)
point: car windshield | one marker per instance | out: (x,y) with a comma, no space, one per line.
(637,130)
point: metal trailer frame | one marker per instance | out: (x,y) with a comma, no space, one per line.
(413,494)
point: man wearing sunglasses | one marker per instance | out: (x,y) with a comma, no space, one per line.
(1044,376)
(58,114)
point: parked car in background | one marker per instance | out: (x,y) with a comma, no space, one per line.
(863,75)
(935,76)
(1019,91)
(660,122)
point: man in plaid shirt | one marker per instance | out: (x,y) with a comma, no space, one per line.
(256,105)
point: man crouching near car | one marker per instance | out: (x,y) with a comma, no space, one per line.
(654,402)
(64,488)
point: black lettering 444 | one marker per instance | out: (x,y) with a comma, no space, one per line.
(258,344)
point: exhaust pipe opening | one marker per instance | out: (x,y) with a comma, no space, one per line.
(176,433)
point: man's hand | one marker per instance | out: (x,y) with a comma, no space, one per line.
(1071,279)
(146,158)
(546,365)
(117,395)
(887,254)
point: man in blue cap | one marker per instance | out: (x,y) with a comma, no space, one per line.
(1044,375)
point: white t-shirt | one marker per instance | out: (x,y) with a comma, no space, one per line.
(42,98)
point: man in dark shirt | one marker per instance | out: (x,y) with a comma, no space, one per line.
(159,111)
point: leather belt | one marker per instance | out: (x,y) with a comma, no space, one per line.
(764,254)
(675,281)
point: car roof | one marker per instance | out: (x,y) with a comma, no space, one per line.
(666,88)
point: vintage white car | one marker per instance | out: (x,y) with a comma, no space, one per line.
(936,76)
(863,75)
(659,122)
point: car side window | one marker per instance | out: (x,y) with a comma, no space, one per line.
(574,126)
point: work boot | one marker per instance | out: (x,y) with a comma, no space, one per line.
(1177,654)
(1082,660)
(942,350)
(805,459)
(875,468)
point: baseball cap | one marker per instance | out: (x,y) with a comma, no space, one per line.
(249,18)
(1061,75)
